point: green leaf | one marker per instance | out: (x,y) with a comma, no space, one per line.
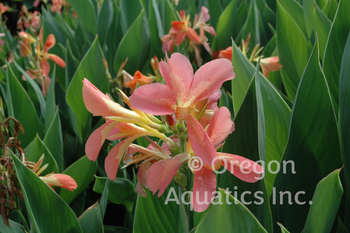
(129,11)
(225,26)
(50,109)
(21,107)
(156,29)
(276,128)
(317,22)
(35,150)
(86,13)
(335,49)
(167,13)
(246,141)
(92,68)
(229,215)
(82,171)
(327,196)
(159,215)
(91,220)
(47,211)
(293,50)
(135,45)
(15,227)
(295,11)
(34,88)
(121,191)
(313,149)
(344,115)
(54,142)
(105,17)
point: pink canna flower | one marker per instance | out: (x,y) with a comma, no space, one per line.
(270,64)
(138,78)
(199,21)
(161,173)
(119,125)
(183,89)
(60,180)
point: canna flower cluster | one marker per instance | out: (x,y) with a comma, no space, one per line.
(27,19)
(268,64)
(40,66)
(192,131)
(182,30)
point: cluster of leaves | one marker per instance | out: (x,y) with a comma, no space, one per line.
(299,114)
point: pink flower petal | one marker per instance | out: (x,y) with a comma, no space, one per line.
(220,126)
(243,168)
(115,155)
(95,141)
(154,98)
(162,172)
(101,105)
(200,141)
(142,176)
(178,75)
(209,78)
(192,34)
(59,61)
(204,187)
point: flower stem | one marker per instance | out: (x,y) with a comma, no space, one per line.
(183,213)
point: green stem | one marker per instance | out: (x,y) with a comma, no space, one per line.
(183,213)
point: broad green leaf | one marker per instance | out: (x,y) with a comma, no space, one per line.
(91,220)
(129,11)
(82,171)
(330,9)
(161,216)
(15,227)
(156,30)
(253,26)
(312,150)
(224,27)
(293,50)
(246,141)
(104,199)
(276,128)
(317,22)
(295,11)
(71,65)
(46,209)
(34,89)
(167,14)
(35,150)
(335,49)
(105,17)
(229,215)
(215,10)
(327,196)
(121,191)
(92,68)
(50,109)
(135,45)
(344,115)
(21,107)
(54,142)
(86,13)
